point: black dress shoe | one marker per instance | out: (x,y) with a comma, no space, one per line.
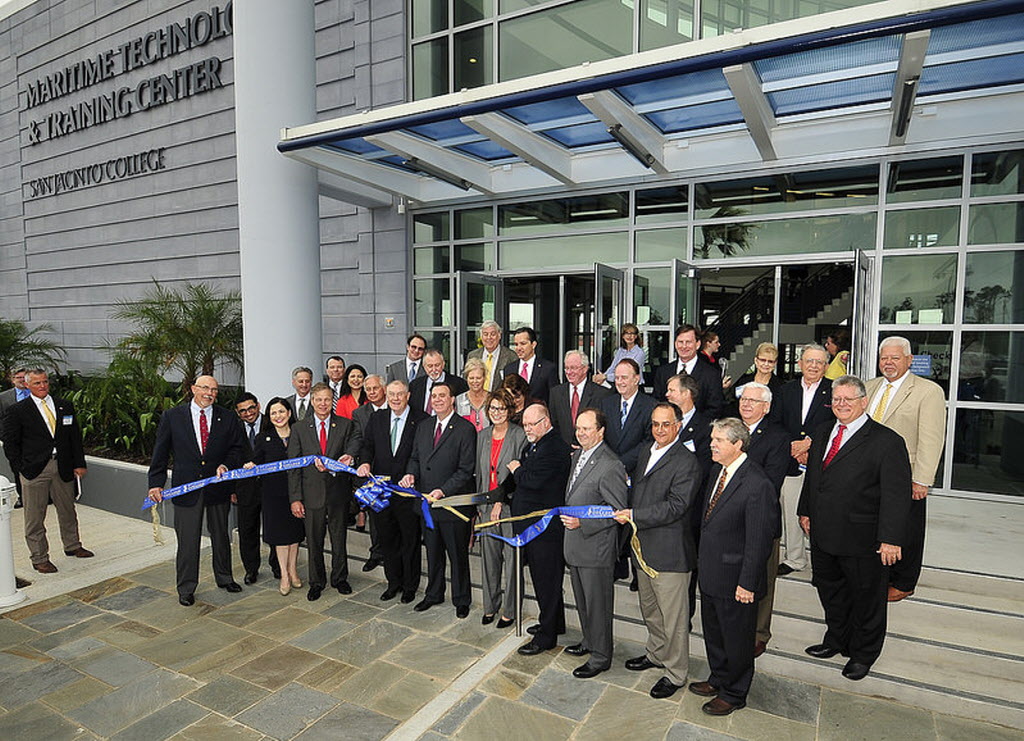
(531,649)
(533,629)
(231,586)
(634,586)
(18,504)
(371,564)
(821,651)
(487,619)
(855,670)
(503,623)
(462,612)
(641,663)
(408,597)
(664,688)
(785,569)
(314,593)
(187,600)
(424,604)
(20,583)
(577,649)
(389,594)
(252,576)
(344,587)
(587,671)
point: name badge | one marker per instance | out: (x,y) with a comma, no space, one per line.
(66,421)
(690,446)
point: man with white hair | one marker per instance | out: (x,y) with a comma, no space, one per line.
(578,392)
(492,353)
(915,408)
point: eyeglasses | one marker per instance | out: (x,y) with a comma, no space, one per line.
(663,425)
(247,410)
(813,361)
(496,410)
(210,389)
(752,401)
(773,361)
(838,400)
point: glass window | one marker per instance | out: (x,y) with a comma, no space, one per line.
(433,300)
(724,16)
(428,16)
(997,173)
(561,214)
(467,11)
(430,69)
(771,194)
(427,260)
(440,340)
(474,223)
(921,180)
(996,223)
(843,232)
(989,292)
(658,245)
(475,256)
(992,367)
(660,205)
(925,227)
(918,289)
(665,22)
(473,64)
(564,36)
(986,451)
(430,227)
(507,6)
(652,296)
(581,251)
(933,354)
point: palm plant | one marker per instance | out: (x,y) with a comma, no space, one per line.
(21,347)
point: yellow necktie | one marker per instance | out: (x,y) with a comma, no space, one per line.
(882,403)
(51,421)
(489,363)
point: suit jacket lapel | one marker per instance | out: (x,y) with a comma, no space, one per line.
(445,434)
(853,442)
(905,389)
(731,485)
(587,469)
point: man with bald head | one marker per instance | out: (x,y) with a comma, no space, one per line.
(204,440)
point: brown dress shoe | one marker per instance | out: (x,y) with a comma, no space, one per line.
(20,583)
(895,595)
(704,689)
(718,706)
(45,567)
(759,648)
(80,552)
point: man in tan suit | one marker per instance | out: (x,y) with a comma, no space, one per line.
(916,409)
(492,353)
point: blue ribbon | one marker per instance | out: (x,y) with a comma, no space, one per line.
(589,512)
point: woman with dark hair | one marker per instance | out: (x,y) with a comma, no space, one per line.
(520,390)
(631,345)
(281,530)
(838,345)
(352,394)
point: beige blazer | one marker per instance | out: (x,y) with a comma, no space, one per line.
(918,413)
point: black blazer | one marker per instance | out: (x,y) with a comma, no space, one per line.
(418,389)
(698,432)
(560,406)
(710,396)
(626,440)
(661,502)
(863,497)
(450,466)
(787,408)
(736,539)
(543,379)
(29,445)
(376,445)
(175,437)
(769,448)
(541,479)
(361,416)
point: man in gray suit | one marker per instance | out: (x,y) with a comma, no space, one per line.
(591,546)
(493,354)
(302,381)
(410,367)
(9,398)
(665,485)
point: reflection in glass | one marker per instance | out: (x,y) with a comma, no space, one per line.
(474,256)
(652,296)
(564,36)
(658,345)
(997,173)
(665,22)
(560,214)
(474,223)
(658,245)
(428,16)
(839,233)
(996,223)
(660,205)
(441,340)
(580,251)
(918,289)
(986,451)
(428,260)
(430,227)
(919,180)
(467,11)
(433,302)
(430,69)
(933,355)
(989,296)
(801,191)
(725,16)
(473,64)
(926,227)
(992,367)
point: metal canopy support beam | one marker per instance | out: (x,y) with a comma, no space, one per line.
(457,166)
(635,133)
(757,111)
(904,91)
(348,190)
(535,149)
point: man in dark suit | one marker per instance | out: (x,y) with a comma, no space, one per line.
(387,444)
(740,517)
(802,406)
(443,462)
(591,546)
(248,496)
(320,497)
(10,397)
(695,430)
(578,392)
(302,382)
(664,488)
(411,366)
(629,415)
(710,400)
(376,401)
(335,375)
(540,478)
(854,506)
(769,448)
(433,373)
(492,354)
(542,375)
(204,440)
(43,441)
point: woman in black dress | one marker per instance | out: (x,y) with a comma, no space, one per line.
(280,528)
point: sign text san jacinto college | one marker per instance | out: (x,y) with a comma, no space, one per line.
(120,102)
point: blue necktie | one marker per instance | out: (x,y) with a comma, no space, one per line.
(625,411)
(412,371)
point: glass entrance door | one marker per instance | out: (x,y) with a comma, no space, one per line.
(609,285)
(480,298)
(865,320)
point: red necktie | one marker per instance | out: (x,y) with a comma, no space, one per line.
(323,437)
(430,407)
(437,434)
(524,372)
(575,409)
(204,431)
(834,448)
(718,493)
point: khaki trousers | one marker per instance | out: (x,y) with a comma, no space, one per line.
(664,603)
(35,494)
